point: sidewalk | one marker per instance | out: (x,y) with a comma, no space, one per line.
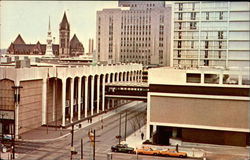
(195,150)
(41,134)
(135,141)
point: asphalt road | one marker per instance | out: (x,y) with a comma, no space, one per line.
(60,149)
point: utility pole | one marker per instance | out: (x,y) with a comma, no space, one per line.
(94,146)
(81,149)
(72,139)
(120,128)
(125,135)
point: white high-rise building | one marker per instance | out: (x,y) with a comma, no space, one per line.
(211,34)
(138,32)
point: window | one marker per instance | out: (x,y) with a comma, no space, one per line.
(179,44)
(192,25)
(207,15)
(206,53)
(193,15)
(220,34)
(192,44)
(220,44)
(180,6)
(179,54)
(179,25)
(206,44)
(221,16)
(179,16)
(193,6)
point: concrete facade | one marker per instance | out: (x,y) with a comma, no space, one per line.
(61,95)
(182,107)
(211,34)
(140,34)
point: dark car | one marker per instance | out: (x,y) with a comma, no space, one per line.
(122,148)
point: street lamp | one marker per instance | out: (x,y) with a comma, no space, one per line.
(16,100)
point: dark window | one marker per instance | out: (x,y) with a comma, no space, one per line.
(180,16)
(180,6)
(207,15)
(221,15)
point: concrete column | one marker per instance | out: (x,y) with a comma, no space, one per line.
(141,76)
(63,100)
(202,78)
(103,93)
(113,77)
(79,97)
(92,95)
(54,100)
(44,101)
(117,77)
(240,79)
(221,78)
(108,79)
(17,83)
(71,99)
(86,97)
(113,103)
(98,93)
(125,77)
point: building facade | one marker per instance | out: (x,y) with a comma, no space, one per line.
(66,47)
(57,96)
(140,34)
(205,105)
(211,34)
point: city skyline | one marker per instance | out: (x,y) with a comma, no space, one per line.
(81,16)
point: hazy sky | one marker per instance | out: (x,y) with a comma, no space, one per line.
(30,19)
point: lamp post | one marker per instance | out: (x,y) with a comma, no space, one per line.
(16,100)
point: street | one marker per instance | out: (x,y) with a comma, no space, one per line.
(60,149)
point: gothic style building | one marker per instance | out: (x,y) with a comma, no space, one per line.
(65,48)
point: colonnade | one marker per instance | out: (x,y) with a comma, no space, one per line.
(80,96)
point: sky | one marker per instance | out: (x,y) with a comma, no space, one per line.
(31,18)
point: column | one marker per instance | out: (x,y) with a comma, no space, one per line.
(92,95)
(79,97)
(98,93)
(140,76)
(117,77)
(240,79)
(113,77)
(63,100)
(17,83)
(221,78)
(113,103)
(202,78)
(103,93)
(86,97)
(44,101)
(54,100)
(125,77)
(71,99)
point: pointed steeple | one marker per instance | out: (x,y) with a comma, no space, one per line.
(19,40)
(49,51)
(64,24)
(49,25)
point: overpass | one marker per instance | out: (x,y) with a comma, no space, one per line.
(127,90)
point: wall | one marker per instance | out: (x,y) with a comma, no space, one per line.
(30,110)
(203,113)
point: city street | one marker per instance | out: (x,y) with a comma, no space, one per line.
(60,149)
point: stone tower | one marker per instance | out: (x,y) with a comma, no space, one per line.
(64,35)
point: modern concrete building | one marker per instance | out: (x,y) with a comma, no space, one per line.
(211,33)
(205,105)
(139,32)
(57,94)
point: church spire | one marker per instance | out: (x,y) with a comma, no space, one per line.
(49,51)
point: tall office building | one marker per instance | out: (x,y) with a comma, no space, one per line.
(139,33)
(211,34)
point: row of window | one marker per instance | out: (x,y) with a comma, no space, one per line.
(207,16)
(134,51)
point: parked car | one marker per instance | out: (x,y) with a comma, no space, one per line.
(122,148)
(172,153)
(147,151)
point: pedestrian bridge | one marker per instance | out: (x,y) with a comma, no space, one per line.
(127,90)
